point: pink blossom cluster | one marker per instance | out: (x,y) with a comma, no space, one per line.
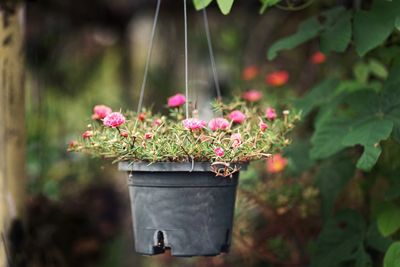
(218,124)
(114,120)
(194,124)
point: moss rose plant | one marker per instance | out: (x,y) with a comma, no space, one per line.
(240,132)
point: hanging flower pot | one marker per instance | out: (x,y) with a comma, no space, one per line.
(181,206)
(183,172)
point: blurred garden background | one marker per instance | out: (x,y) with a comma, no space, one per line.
(329,200)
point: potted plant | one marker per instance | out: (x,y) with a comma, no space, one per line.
(183,172)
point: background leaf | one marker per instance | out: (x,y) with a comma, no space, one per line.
(200,4)
(389,219)
(392,256)
(225,6)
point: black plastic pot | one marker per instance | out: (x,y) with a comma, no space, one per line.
(184,208)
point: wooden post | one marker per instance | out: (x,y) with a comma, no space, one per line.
(12,123)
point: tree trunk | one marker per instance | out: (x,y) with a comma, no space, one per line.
(12,124)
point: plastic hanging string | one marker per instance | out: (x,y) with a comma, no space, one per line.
(148,58)
(186,60)
(210,49)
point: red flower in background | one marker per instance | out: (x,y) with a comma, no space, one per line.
(276,164)
(124,134)
(318,58)
(277,78)
(252,95)
(250,72)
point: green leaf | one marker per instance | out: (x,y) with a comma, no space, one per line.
(341,240)
(361,72)
(362,258)
(328,136)
(379,21)
(337,37)
(368,132)
(397,23)
(391,97)
(266,4)
(308,29)
(377,69)
(200,4)
(317,95)
(369,158)
(225,6)
(389,219)
(331,177)
(392,256)
(375,240)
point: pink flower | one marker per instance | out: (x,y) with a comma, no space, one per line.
(176,101)
(124,134)
(270,113)
(252,95)
(236,139)
(276,164)
(218,124)
(87,134)
(100,112)
(114,120)
(219,152)
(148,135)
(277,78)
(263,126)
(157,122)
(194,124)
(237,116)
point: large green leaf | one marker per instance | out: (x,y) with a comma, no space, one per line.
(341,240)
(337,36)
(389,219)
(391,97)
(371,28)
(392,256)
(368,133)
(225,6)
(317,96)
(328,136)
(308,29)
(331,177)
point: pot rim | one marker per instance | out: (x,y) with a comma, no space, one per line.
(141,166)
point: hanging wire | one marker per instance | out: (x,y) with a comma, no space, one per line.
(148,58)
(211,52)
(186,59)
